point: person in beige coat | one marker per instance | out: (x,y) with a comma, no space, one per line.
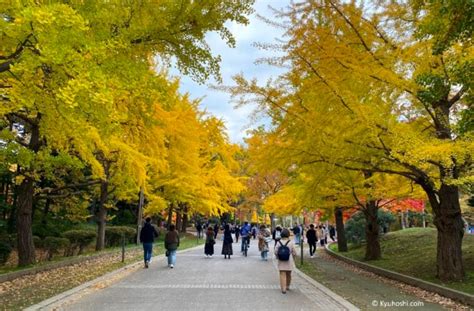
(285,267)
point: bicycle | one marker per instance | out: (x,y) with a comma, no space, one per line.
(246,244)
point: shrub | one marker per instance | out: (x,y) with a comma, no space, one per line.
(113,235)
(355,226)
(5,250)
(43,230)
(37,242)
(52,245)
(79,240)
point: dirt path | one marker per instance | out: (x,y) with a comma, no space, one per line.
(369,291)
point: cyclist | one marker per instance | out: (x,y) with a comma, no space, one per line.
(245,235)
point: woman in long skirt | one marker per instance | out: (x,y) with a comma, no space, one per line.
(227,246)
(210,241)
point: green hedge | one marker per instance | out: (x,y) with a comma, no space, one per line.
(113,235)
(37,242)
(79,239)
(5,250)
(53,245)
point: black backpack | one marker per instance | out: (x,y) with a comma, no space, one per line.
(283,252)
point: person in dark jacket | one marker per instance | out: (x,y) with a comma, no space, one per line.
(227,246)
(332,233)
(171,245)
(199,230)
(312,240)
(216,230)
(147,237)
(237,233)
(210,241)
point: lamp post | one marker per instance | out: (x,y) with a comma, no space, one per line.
(302,240)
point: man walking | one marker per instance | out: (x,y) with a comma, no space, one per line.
(199,230)
(245,234)
(147,237)
(311,238)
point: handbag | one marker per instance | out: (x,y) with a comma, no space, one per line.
(167,253)
(268,239)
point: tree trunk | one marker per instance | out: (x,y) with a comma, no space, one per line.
(170,216)
(185,219)
(272,221)
(372,251)
(26,248)
(24,203)
(178,220)
(341,234)
(448,221)
(102,216)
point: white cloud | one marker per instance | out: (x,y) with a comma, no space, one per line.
(237,60)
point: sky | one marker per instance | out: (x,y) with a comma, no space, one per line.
(236,60)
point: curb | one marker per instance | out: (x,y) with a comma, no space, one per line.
(431,287)
(346,304)
(53,301)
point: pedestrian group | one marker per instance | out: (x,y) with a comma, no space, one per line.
(283,247)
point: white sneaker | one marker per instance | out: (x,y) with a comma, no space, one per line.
(312,256)
(171,266)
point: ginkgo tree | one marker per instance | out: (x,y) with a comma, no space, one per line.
(370,90)
(64,67)
(201,174)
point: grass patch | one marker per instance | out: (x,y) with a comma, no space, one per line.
(413,252)
(31,289)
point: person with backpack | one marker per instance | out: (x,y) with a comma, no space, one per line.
(284,252)
(276,235)
(245,234)
(210,241)
(312,240)
(147,237)
(171,245)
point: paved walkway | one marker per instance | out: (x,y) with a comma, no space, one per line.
(200,283)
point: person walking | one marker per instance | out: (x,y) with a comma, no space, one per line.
(264,237)
(284,252)
(199,230)
(297,233)
(171,245)
(320,235)
(210,241)
(276,235)
(216,230)
(312,240)
(227,245)
(332,233)
(237,233)
(147,236)
(326,233)
(254,231)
